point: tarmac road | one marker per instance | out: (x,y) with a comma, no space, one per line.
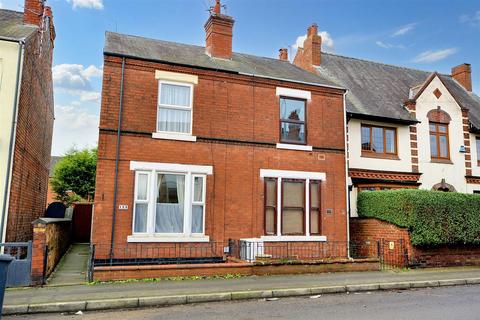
(459,302)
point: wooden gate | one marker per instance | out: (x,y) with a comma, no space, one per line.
(82,222)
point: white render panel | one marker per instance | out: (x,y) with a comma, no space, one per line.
(170,167)
(294,93)
(433,173)
(403,164)
(286,174)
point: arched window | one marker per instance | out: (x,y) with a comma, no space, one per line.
(439,142)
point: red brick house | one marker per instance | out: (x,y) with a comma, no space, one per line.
(205,145)
(26,116)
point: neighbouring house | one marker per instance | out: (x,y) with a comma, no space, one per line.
(26,116)
(200,144)
(51,195)
(406,128)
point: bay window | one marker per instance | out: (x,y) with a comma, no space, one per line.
(169,204)
(292,204)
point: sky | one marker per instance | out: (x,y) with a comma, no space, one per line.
(432,35)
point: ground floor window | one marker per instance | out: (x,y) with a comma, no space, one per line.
(292,206)
(169,203)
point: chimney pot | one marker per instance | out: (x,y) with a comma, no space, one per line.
(283,54)
(218,7)
(463,74)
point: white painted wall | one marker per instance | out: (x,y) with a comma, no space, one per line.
(8,75)
(432,173)
(403,164)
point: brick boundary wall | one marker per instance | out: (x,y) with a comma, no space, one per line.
(218,269)
(54,234)
(369,230)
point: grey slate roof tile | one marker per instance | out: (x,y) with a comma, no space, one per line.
(191,55)
(379,90)
(12,26)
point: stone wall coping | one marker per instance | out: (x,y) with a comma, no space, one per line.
(51,220)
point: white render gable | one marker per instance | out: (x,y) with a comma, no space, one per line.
(434,172)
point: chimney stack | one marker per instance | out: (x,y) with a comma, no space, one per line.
(33,12)
(310,55)
(219,33)
(463,74)
(283,54)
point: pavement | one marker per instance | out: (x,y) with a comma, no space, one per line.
(170,292)
(452,303)
(72,267)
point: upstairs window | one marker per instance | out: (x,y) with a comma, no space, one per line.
(477,144)
(439,146)
(292,121)
(379,141)
(174,108)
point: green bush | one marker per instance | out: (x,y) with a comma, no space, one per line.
(433,218)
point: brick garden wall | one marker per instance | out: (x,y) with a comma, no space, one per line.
(373,230)
(33,139)
(236,121)
(55,235)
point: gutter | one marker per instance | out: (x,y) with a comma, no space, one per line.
(361,116)
(117,158)
(6,198)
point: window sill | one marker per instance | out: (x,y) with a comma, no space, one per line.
(149,238)
(289,146)
(380,156)
(173,136)
(444,161)
(293,238)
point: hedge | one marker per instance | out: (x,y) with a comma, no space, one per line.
(433,218)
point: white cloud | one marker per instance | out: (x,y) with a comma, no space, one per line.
(327,41)
(75,79)
(387,45)
(88,4)
(473,20)
(74,126)
(404,30)
(432,56)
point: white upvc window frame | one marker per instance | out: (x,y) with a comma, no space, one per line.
(136,200)
(301,175)
(187,136)
(153,170)
(202,203)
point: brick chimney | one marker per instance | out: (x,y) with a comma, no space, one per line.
(33,12)
(283,54)
(463,74)
(310,55)
(219,32)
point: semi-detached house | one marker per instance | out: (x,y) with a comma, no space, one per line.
(205,145)
(26,116)
(406,128)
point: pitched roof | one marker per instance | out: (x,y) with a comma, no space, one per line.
(195,56)
(12,26)
(379,90)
